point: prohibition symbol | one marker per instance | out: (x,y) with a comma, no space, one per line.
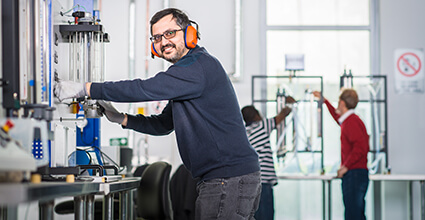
(409,64)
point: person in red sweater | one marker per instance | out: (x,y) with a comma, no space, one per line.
(354,149)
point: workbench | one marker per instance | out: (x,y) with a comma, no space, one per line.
(13,194)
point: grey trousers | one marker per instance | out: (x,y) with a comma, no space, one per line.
(229,198)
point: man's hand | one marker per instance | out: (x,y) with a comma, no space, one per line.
(290,100)
(341,172)
(111,113)
(68,89)
(317,94)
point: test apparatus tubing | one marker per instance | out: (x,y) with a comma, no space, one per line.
(320,106)
(86,51)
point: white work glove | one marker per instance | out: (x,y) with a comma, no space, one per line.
(68,89)
(110,112)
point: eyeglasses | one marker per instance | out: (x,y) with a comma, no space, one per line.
(167,35)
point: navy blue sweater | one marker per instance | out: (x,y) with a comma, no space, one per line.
(202,109)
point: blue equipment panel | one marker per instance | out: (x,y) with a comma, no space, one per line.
(37,149)
(90,135)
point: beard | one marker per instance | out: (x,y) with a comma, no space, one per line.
(174,57)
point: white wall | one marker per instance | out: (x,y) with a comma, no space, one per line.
(403,26)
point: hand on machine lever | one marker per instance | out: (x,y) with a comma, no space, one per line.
(111,113)
(68,89)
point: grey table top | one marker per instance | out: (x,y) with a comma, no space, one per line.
(15,193)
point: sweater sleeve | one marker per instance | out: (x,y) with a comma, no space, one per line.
(161,124)
(359,142)
(332,110)
(177,83)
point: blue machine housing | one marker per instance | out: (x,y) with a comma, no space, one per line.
(89,137)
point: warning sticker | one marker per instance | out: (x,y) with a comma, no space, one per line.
(409,73)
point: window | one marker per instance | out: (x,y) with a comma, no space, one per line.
(332,35)
(314,12)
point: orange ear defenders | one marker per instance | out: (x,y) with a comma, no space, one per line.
(153,51)
(190,39)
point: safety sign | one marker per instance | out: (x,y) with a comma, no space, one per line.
(409,70)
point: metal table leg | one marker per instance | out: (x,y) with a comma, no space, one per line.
(410,201)
(329,200)
(46,210)
(323,200)
(123,205)
(130,204)
(422,199)
(79,208)
(90,207)
(3,213)
(8,212)
(108,207)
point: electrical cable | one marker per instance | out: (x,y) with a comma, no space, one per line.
(90,159)
(88,154)
(100,151)
(77,5)
(82,139)
(110,159)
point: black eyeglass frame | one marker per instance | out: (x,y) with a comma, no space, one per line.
(159,36)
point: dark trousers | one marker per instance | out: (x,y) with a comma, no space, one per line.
(354,187)
(265,210)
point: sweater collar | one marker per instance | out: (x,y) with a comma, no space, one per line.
(193,49)
(345,116)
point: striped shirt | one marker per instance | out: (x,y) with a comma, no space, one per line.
(259,137)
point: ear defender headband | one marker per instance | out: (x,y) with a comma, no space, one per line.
(190,38)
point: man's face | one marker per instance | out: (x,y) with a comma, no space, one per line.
(170,49)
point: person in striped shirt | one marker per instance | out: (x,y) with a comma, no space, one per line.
(258,130)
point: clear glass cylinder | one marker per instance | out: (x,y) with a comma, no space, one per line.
(87,57)
(97,73)
(78,56)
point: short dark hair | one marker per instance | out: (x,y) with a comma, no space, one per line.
(182,19)
(350,97)
(249,114)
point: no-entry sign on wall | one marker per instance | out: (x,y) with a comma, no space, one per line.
(409,70)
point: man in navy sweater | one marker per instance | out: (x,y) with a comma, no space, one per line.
(203,111)
(354,149)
